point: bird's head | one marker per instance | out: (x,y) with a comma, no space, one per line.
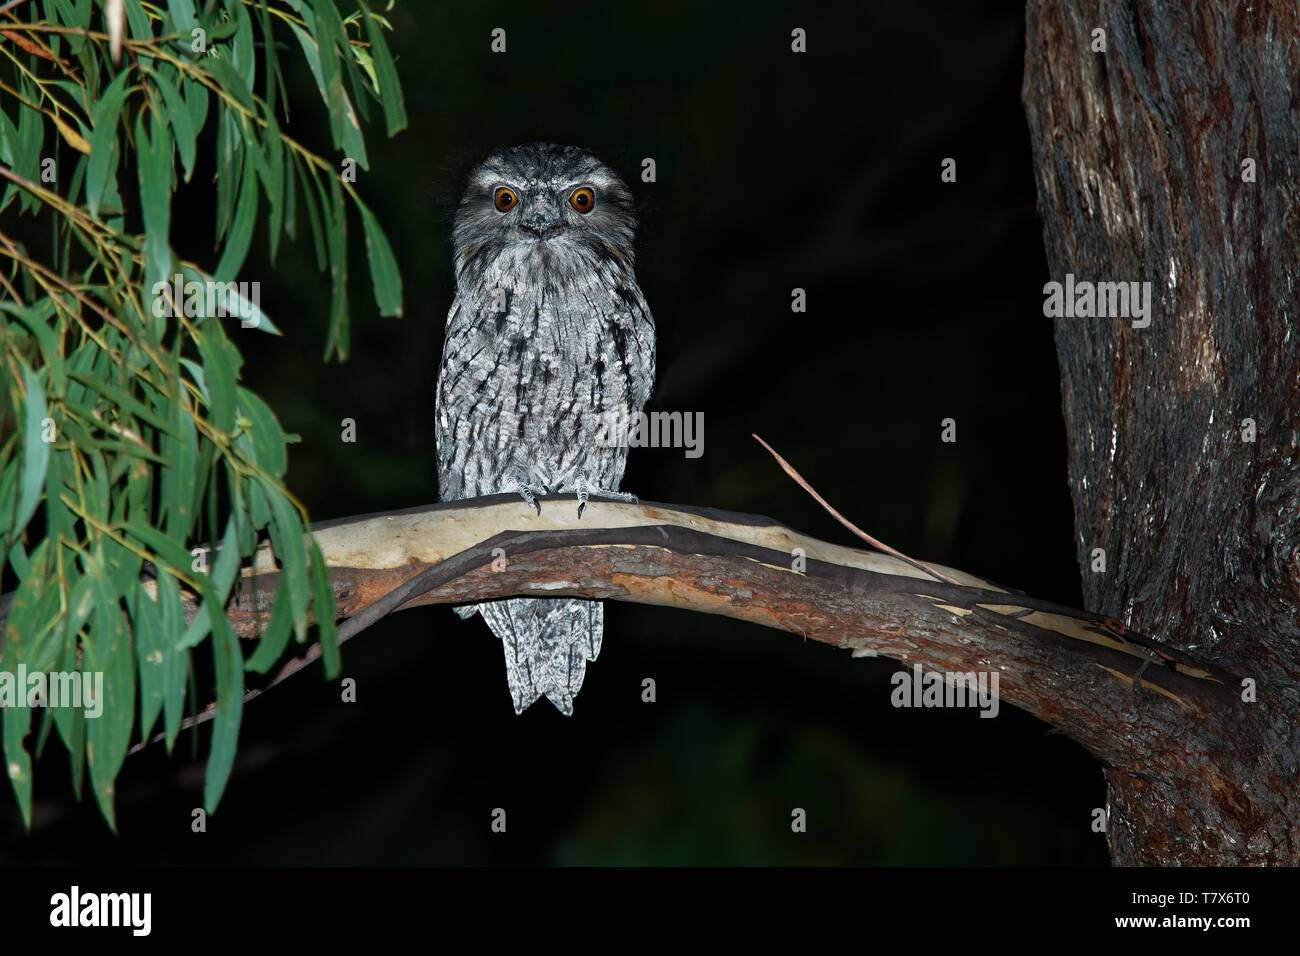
(546,206)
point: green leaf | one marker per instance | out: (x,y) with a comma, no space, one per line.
(154,166)
(276,636)
(354,144)
(151,649)
(75,15)
(59,520)
(367,65)
(23,617)
(182,14)
(8,135)
(227,562)
(337,337)
(324,65)
(243,57)
(264,435)
(229,171)
(318,217)
(322,600)
(50,9)
(215,586)
(124,565)
(229,665)
(81,602)
(196,102)
(272,67)
(31,136)
(17,721)
(356,62)
(275,184)
(221,366)
(18,559)
(254,158)
(172,614)
(182,123)
(383,267)
(287,539)
(96,491)
(37,321)
(8,496)
(241,230)
(103,141)
(138,21)
(36,451)
(237,484)
(71,721)
(34,629)
(390,88)
(259,510)
(108,652)
(290,200)
(178,480)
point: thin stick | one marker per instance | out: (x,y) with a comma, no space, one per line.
(430,578)
(789,470)
(290,667)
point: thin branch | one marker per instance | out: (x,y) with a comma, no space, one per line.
(789,470)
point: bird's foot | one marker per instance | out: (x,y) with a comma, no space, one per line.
(528,491)
(585,488)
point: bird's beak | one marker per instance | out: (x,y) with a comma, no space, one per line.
(542,221)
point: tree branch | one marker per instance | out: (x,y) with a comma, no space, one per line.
(1075,670)
(1145,709)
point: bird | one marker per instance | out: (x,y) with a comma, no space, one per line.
(548,339)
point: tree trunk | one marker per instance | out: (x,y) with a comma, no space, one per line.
(1183,434)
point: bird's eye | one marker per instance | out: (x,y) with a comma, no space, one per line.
(505,199)
(582,199)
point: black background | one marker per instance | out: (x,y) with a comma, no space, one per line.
(774,171)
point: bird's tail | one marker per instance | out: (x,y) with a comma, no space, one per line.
(547,644)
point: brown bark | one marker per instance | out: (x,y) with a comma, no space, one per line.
(1112,690)
(1139,154)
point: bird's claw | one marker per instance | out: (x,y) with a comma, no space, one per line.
(585,489)
(529,493)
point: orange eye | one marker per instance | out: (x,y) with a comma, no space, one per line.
(582,199)
(505,199)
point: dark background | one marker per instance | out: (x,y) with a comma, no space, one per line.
(775,170)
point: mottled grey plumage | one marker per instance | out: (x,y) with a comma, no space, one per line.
(549,332)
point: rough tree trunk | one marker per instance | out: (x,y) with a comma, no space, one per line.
(1139,154)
